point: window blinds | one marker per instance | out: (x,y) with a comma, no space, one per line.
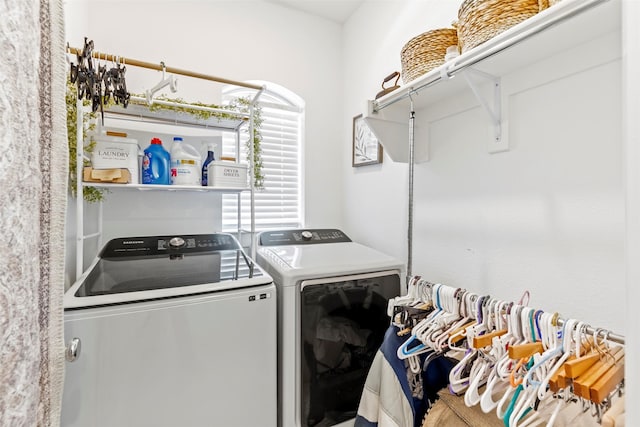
(279,204)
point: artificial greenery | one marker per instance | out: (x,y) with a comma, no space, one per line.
(241,105)
(90,194)
(95,194)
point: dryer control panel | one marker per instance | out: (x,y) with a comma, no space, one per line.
(302,237)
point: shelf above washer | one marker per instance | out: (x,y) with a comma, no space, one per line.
(155,187)
(143,113)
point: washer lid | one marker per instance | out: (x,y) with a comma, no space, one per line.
(139,268)
(292,263)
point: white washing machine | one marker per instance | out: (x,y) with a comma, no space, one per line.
(332,316)
(170,331)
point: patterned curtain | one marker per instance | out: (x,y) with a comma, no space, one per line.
(33,191)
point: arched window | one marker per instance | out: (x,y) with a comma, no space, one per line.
(279,204)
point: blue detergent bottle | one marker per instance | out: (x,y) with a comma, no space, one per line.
(205,167)
(156,164)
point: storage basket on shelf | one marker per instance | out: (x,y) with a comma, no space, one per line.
(425,52)
(481,20)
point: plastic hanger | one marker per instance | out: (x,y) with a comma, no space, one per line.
(458,379)
(170,81)
(565,351)
(403,300)
(496,386)
(505,365)
(529,409)
(479,375)
(448,313)
(485,363)
(405,350)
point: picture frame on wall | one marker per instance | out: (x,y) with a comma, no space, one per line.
(365,150)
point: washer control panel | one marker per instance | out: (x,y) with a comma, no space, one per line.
(302,237)
(158,245)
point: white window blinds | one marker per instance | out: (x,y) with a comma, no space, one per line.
(278,205)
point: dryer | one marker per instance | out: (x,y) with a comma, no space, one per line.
(332,315)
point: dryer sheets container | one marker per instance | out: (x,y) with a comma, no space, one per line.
(227,174)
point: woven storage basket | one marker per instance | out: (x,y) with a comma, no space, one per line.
(425,52)
(481,20)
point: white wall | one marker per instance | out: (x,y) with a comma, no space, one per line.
(631,61)
(546,216)
(239,40)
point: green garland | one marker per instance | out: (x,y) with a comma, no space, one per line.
(241,105)
(94,194)
(90,194)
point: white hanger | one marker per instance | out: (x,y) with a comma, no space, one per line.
(547,364)
(503,365)
(495,384)
(170,81)
(524,400)
(484,364)
(404,352)
(570,327)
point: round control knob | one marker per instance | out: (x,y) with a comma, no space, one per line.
(176,242)
(306,235)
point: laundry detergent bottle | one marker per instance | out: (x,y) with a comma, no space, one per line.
(155,164)
(211,156)
(185,163)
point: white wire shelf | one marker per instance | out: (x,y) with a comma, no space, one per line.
(156,187)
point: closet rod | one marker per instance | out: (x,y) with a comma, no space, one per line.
(159,67)
(608,335)
(617,338)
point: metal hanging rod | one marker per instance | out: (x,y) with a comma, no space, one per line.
(605,333)
(160,67)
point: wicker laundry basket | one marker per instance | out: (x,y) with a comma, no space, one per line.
(481,20)
(425,52)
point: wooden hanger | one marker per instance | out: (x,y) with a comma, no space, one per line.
(607,382)
(573,367)
(526,350)
(458,334)
(487,339)
(582,384)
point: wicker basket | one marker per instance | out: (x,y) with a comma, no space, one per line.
(425,52)
(481,20)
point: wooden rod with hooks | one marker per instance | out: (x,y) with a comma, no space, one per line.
(159,67)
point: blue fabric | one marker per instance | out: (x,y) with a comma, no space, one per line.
(435,377)
(363,422)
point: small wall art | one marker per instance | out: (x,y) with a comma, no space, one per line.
(366,149)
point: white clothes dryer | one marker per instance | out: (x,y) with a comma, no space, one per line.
(332,316)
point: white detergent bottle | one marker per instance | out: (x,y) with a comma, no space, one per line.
(185,163)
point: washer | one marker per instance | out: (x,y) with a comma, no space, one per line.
(171,331)
(332,316)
